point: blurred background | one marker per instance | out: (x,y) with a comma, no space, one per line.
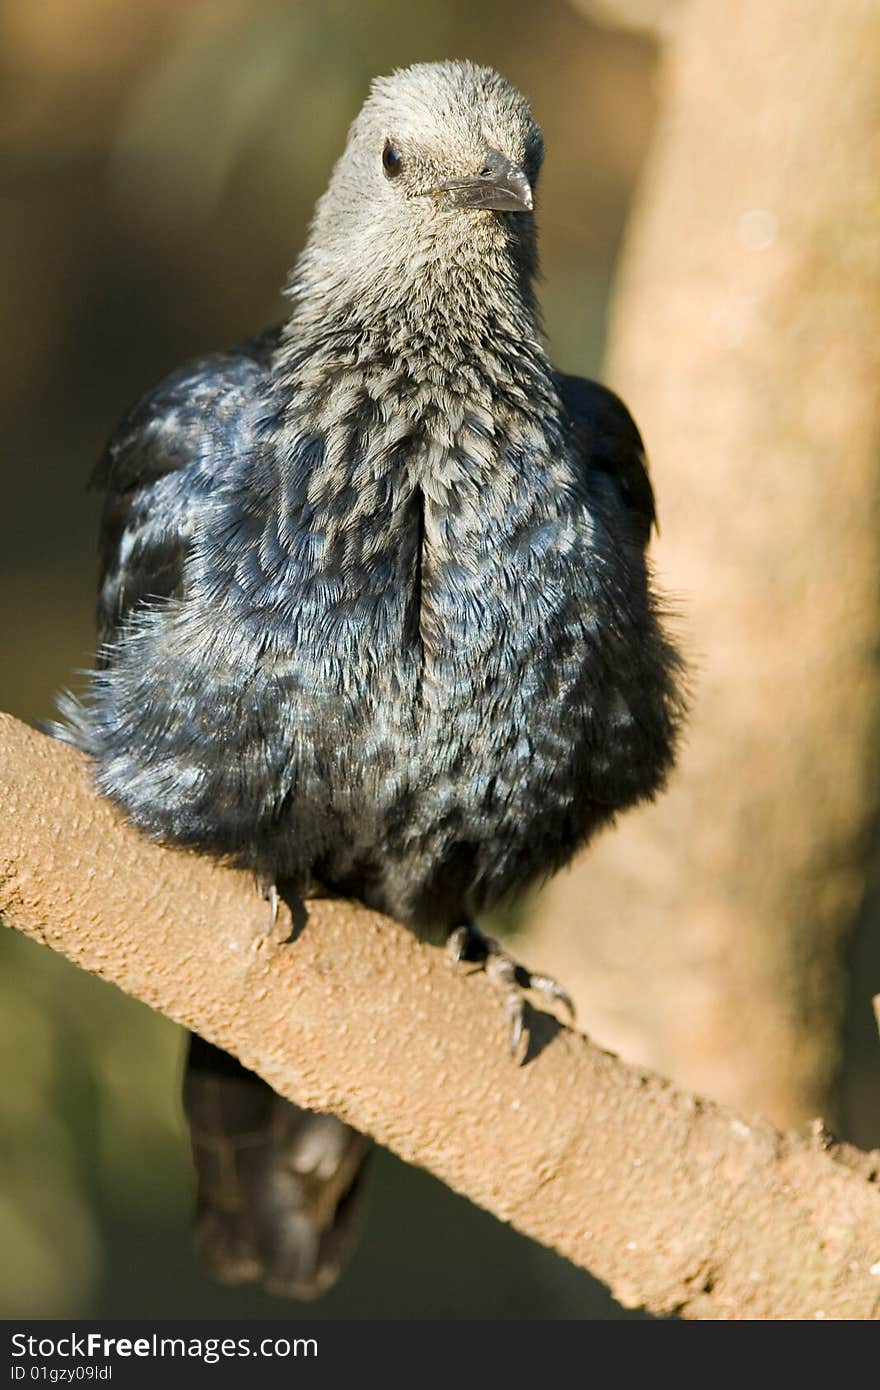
(159,160)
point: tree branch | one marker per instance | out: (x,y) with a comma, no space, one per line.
(674,1202)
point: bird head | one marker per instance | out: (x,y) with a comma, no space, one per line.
(440,166)
(447,138)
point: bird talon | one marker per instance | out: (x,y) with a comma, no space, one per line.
(269,890)
(515,1010)
(456,945)
(545,984)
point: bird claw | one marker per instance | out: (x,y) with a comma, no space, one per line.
(269,891)
(466,944)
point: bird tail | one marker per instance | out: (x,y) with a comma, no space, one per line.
(279,1189)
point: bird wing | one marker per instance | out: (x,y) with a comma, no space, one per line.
(163,458)
(607,438)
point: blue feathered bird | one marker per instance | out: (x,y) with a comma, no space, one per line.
(374,609)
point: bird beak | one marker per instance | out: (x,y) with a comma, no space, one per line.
(500,186)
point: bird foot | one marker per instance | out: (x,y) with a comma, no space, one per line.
(467,944)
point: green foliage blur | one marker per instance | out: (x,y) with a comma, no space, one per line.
(158,165)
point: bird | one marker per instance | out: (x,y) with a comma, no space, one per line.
(375,615)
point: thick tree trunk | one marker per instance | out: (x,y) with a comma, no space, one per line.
(705,936)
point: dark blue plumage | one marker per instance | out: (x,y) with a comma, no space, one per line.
(324,663)
(375,608)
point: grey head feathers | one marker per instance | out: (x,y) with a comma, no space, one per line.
(408,216)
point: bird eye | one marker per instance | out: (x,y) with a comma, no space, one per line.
(392,161)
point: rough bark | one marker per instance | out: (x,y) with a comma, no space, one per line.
(706,936)
(674,1202)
